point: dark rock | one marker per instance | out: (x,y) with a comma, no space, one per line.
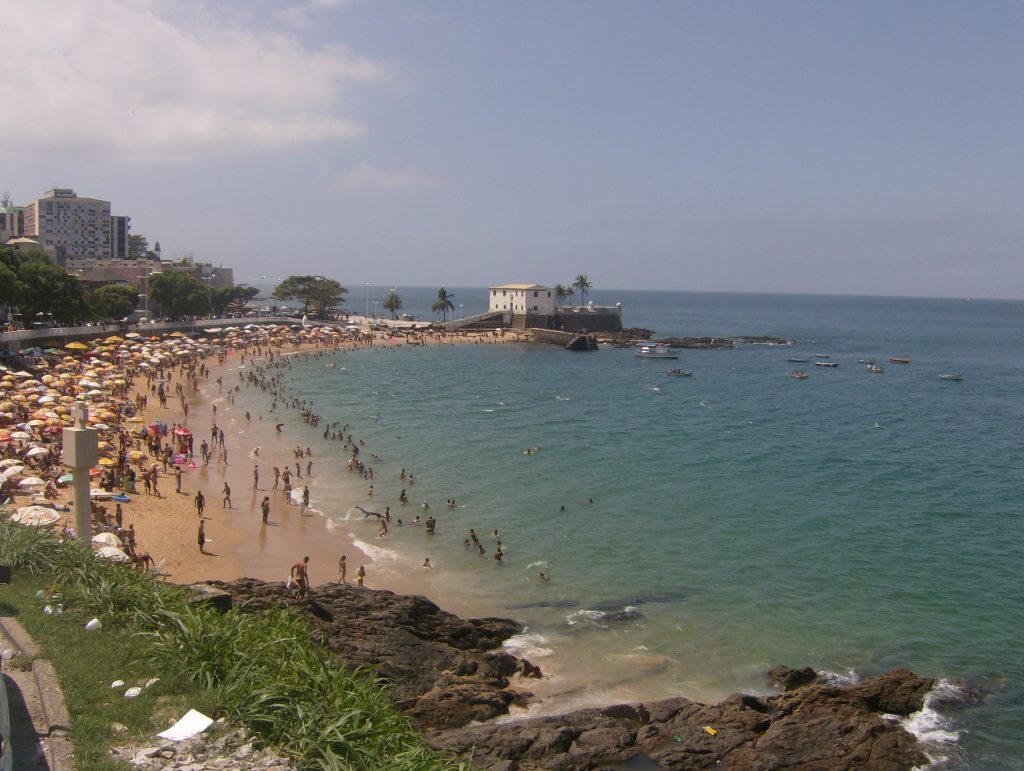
(445,670)
(217,598)
(789,679)
(814,727)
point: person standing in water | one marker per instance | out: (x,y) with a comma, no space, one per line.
(360,575)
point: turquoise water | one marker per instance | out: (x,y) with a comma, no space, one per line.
(740,519)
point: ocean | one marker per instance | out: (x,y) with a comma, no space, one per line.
(740,519)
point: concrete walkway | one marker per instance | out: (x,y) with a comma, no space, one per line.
(40,724)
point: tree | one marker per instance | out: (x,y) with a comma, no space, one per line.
(137,246)
(47,288)
(179,294)
(444,303)
(393,303)
(10,285)
(316,293)
(561,292)
(113,301)
(231,298)
(582,283)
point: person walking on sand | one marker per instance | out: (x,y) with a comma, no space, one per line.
(226,493)
(342,570)
(200,502)
(265,508)
(277,476)
(360,575)
(202,537)
(256,476)
(177,479)
(305,498)
(300,577)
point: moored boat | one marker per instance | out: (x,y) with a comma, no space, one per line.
(822,355)
(798,360)
(957,376)
(875,368)
(899,360)
(677,373)
(826,364)
(659,351)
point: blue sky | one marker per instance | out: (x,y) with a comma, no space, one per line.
(863,148)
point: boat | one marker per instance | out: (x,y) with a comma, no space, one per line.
(677,373)
(659,351)
(866,361)
(826,364)
(798,374)
(875,368)
(822,356)
(898,360)
(798,360)
(951,376)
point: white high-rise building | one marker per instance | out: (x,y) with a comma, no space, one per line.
(70,226)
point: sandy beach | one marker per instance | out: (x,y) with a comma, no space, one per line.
(237,543)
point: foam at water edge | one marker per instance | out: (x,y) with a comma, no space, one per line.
(837,679)
(528,645)
(932,729)
(376,554)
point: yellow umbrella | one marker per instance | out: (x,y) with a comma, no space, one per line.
(107,462)
(76,346)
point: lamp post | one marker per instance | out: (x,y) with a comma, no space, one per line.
(209,290)
(461,314)
(375,308)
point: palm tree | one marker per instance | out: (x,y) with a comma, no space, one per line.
(393,303)
(583,284)
(561,292)
(444,303)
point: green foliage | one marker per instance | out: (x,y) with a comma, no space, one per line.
(231,298)
(113,301)
(444,303)
(47,288)
(561,293)
(261,670)
(138,245)
(316,293)
(179,294)
(393,303)
(582,285)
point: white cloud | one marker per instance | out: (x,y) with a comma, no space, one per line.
(366,176)
(117,77)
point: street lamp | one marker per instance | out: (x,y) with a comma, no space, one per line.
(461,314)
(375,308)
(209,290)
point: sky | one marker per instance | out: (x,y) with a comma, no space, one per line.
(809,147)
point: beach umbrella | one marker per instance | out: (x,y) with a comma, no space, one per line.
(106,539)
(112,553)
(135,419)
(20,435)
(76,346)
(35,516)
(36,451)
(11,471)
(31,482)
(108,462)
(133,335)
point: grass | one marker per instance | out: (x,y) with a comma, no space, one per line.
(261,671)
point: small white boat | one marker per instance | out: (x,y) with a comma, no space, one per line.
(875,368)
(659,351)
(826,364)
(822,355)
(952,376)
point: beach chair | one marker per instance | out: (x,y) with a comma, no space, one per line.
(157,571)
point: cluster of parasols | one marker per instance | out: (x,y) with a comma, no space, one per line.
(35,406)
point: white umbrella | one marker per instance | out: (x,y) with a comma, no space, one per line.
(9,462)
(112,553)
(31,482)
(106,539)
(36,451)
(10,471)
(35,516)
(21,435)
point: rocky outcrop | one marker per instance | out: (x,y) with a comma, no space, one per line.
(813,727)
(449,672)
(446,671)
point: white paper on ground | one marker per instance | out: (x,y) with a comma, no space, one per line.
(191,723)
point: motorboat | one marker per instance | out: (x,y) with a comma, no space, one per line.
(867,361)
(899,360)
(826,364)
(822,356)
(876,369)
(798,374)
(798,360)
(677,373)
(952,376)
(659,351)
